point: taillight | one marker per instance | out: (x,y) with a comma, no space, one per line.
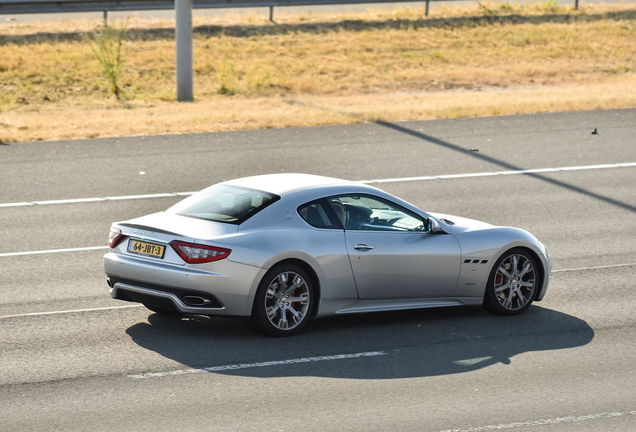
(195,253)
(114,237)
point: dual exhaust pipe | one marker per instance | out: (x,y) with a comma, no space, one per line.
(196,301)
(189,300)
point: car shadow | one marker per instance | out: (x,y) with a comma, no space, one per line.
(390,345)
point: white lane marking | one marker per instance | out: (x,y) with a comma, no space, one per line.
(450,176)
(595,267)
(403,179)
(390,180)
(68,201)
(130,197)
(496,173)
(17,204)
(603,166)
(52,251)
(86,200)
(471,362)
(556,420)
(260,364)
(528,171)
(70,311)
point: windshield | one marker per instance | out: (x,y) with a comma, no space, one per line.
(223,203)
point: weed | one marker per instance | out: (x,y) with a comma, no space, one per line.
(227,79)
(437,55)
(107,43)
(550,6)
(259,83)
(506,7)
(486,10)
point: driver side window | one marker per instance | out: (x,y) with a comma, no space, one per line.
(363,212)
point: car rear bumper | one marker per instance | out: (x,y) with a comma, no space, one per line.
(183,289)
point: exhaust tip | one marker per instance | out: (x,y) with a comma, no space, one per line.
(109,282)
(196,301)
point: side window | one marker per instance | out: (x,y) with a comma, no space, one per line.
(316,214)
(363,212)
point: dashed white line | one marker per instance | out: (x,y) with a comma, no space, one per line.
(588,167)
(556,420)
(130,197)
(528,171)
(68,201)
(17,204)
(96,199)
(451,176)
(496,173)
(595,267)
(70,311)
(260,364)
(389,180)
(9,254)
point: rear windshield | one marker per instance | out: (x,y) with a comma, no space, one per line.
(222,203)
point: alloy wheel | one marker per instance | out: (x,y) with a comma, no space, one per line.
(287,300)
(514,282)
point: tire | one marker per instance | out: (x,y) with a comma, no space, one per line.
(276,312)
(513,283)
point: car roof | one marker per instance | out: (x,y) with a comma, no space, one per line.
(285,183)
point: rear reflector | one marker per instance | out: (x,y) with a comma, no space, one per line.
(195,253)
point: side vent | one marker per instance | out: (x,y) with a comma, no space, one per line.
(475,261)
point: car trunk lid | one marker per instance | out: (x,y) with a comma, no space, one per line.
(149,237)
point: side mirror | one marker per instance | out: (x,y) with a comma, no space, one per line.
(433,226)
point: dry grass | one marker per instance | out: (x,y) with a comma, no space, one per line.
(321,69)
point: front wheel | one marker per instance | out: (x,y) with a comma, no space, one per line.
(283,301)
(512,284)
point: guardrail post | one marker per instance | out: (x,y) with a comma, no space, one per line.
(576,4)
(183,30)
(427,1)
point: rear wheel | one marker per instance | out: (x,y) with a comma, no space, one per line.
(283,301)
(512,284)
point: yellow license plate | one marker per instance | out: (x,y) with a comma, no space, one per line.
(143,248)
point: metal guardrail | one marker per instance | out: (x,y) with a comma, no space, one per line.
(53,6)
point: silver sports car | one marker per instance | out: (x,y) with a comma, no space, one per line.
(279,249)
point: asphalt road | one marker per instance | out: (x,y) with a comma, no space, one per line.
(72,359)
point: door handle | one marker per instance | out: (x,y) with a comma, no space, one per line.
(362,246)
